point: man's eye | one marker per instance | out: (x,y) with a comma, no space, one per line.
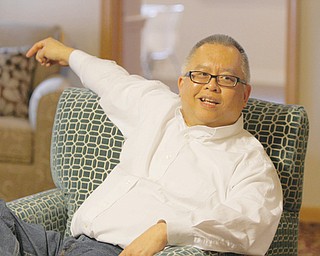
(203,74)
(228,78)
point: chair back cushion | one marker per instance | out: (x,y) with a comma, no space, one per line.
(283,132)
(86,145)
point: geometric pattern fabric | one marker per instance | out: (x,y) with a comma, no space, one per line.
(86,147)
(283,131)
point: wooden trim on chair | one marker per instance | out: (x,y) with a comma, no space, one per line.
(111,30)
(292,75)
(310,214)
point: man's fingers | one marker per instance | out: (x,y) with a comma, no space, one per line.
(40,57)
(38,50)
(35,48)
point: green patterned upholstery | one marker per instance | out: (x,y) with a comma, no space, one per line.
(86,147)
(46,208)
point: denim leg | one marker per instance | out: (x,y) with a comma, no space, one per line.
(84,245)
(9,246)
(21,238)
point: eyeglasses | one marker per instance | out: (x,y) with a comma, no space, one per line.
(200,77)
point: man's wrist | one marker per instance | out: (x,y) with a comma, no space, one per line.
(163,229)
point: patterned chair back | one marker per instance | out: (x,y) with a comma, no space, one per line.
(86,147)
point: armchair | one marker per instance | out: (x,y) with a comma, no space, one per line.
(86,147)
(26,113)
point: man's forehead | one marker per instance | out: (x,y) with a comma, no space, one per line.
(206,57)
(207,67)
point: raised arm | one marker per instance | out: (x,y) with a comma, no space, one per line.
(50,51)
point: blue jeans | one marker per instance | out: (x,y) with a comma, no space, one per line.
(21,238)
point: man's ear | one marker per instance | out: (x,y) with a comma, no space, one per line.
(246,95)
(180,83)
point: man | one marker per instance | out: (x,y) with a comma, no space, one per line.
(189,174)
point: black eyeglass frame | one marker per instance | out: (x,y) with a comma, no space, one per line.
(238,80)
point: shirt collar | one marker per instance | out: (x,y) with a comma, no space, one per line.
(208,133)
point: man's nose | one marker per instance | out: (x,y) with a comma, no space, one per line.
(213,85)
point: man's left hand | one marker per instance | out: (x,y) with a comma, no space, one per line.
(149,243)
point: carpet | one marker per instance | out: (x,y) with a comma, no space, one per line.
(309,239)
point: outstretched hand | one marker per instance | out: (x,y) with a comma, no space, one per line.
(149,243)
(49,52)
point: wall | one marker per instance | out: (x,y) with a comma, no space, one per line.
(309,84)
(79,19)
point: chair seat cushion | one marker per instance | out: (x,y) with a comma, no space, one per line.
(16,140)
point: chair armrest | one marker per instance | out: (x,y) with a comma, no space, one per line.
(42,142)
(45,118)
(46,110)
(189,250)
(50,85)
(46,208)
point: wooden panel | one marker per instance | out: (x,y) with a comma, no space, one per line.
(111,30)
(292,75)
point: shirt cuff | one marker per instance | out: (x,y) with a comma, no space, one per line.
(179,233)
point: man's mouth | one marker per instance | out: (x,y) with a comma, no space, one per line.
(209,101)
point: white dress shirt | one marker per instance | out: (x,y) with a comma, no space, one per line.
(215,187)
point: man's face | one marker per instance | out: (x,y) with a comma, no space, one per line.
(210,104)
